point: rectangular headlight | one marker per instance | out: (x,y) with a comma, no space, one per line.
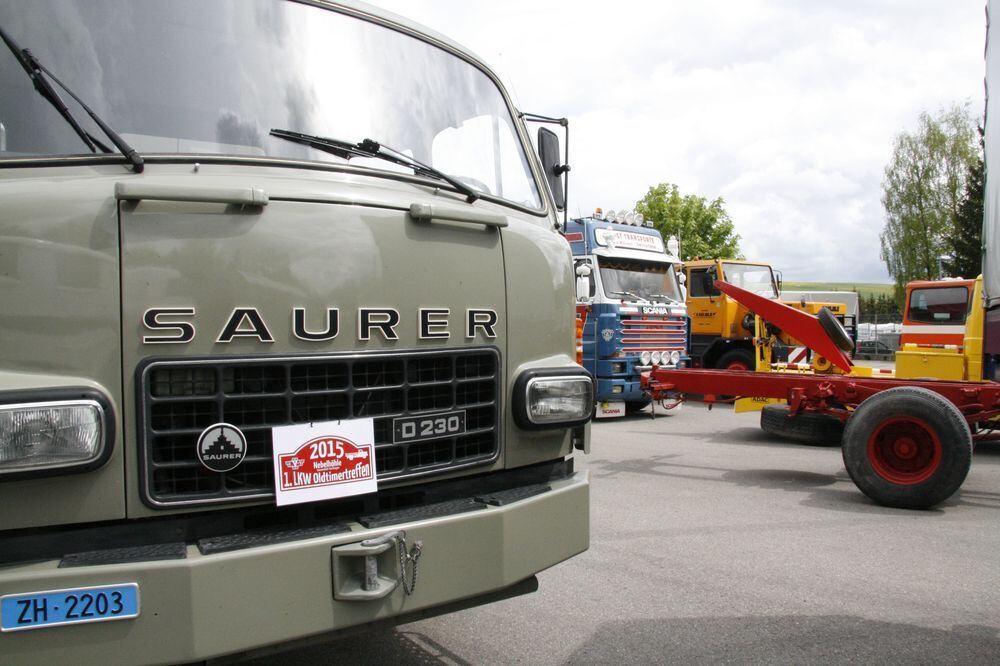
(50,435)
(558,400)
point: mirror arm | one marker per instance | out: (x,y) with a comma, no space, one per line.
(562,169)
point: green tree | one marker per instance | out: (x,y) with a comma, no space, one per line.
(922,191)
(966,241)
(703,227)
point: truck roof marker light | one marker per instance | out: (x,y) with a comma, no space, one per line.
(598,213)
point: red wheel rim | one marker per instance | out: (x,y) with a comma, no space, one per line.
(904,450)
(737,365)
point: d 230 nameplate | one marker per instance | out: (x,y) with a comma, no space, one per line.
(320,461)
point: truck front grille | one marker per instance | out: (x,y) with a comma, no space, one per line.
(652,333)
(178,399)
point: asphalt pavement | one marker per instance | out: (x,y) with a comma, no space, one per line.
(713,542)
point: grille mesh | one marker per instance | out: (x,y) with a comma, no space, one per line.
(179,399)
(653,333)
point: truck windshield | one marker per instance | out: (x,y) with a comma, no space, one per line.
(939,305)
(634,279)
(752,277)
(189,77)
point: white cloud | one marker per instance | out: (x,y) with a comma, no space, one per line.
(785,109)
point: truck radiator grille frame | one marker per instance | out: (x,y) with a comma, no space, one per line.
(179,397)
(653,333)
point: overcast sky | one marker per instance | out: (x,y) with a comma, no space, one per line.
(786,109)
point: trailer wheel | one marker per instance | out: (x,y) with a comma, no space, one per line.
(636,406)
(835,330)
(907,447)
(805,427)
(736,359)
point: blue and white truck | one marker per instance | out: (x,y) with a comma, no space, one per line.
(630,305)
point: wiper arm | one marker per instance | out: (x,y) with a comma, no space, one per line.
(669,298)
(370,148)
(342,149)
(35,70)
(392,155)
(629,294)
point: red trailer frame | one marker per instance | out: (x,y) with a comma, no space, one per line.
(906,443)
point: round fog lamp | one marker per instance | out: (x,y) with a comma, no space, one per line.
(610,215)
(655,357)
(675,357)
(620,217)
(639,219)
(630,218)
(645,357)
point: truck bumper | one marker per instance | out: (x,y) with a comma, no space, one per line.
(212,605)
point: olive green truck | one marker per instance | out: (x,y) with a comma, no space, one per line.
(287,342)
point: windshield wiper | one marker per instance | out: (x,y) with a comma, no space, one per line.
(669,298)
(629,294)
(370,148)
(38,74)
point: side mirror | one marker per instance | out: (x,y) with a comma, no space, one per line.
(583,282)
(777,281)
(548,153)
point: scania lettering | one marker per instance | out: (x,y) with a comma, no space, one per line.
(630,306)
(288,333)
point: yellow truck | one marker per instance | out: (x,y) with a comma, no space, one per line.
(722,329)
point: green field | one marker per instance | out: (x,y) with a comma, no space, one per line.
(863,288)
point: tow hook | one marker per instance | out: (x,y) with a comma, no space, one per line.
(358,567)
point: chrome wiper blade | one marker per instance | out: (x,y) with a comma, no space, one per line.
(40,76)
(669,298)
(370,148)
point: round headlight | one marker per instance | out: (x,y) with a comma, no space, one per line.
(639,219)
(655,357)
(620,217)
(610,215)
(630,218)
(645,358)
(675,356)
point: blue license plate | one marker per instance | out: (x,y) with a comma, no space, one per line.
(52,608)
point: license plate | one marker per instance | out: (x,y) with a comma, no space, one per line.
(35,610)
(430,426)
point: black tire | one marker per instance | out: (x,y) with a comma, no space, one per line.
(634,407)
(907,447)
(835,330)
(805,427)
(736,356)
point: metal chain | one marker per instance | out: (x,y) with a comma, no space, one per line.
(412,556)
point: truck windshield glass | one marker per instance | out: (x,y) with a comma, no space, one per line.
(633,278)
(752,277)
(199,78)
(941,305)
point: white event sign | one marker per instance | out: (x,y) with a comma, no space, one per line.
(319,461)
